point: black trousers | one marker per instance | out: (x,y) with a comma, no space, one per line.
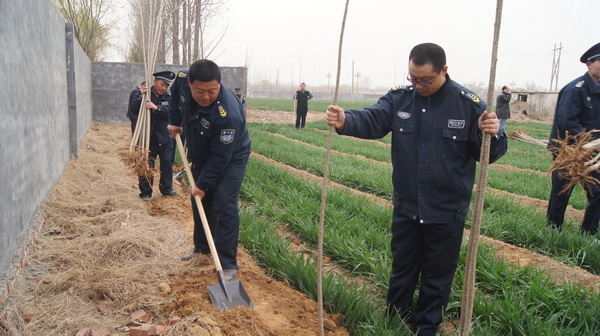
(165,153)
(429,252)
(133,123)
(221,208)
(301,113)
(559,200)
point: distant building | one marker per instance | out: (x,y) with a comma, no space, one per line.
(538,105)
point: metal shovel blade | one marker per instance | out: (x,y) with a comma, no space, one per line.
(229,294)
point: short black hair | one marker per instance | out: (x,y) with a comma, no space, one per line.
(205,71)
(424,53)
(504,87)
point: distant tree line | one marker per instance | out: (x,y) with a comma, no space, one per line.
(186,33)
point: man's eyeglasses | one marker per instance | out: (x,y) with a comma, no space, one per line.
(423,83)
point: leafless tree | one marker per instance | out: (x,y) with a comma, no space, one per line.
(91,24)
(188,33)
(175,30)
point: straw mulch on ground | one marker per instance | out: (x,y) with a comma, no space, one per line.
(101,253)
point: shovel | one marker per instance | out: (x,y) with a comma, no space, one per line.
(226,294)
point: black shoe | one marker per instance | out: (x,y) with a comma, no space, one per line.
(230,274)
(171,193)
(145,197)
(194,253)
(189,256)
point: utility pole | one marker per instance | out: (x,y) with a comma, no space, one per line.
(555,66)
(352,82)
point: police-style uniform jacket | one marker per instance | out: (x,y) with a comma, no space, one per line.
(178,98)
(435,144)
(577,109)
(159,119)
(215,135)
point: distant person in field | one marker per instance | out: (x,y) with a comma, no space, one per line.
(503,108)
(161,144)
(214,123)
(437,126)
(577,110)
(302,97)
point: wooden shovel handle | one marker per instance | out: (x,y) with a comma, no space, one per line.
(209,238)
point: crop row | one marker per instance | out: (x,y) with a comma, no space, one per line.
(357,238)
(288,104)
(502,223)
(362,312)
(522,182)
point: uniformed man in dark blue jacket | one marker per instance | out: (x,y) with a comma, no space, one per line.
(436,127)
(214,123)
(131,114)
(577,111)
(177,97)
(160,140)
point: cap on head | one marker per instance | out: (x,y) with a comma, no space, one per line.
(591,54)
(165,76)
(237,89)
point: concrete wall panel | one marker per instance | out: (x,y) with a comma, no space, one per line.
(34,130)
(79,88)
(83,82)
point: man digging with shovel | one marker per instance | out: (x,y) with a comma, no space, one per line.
(218,148)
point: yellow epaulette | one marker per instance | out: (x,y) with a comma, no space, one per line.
(402,88)
(470,96)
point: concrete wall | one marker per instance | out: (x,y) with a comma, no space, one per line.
(35,128)
(113,82)
(79,86)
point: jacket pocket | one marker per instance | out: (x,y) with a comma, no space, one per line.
(403,136)
(454,144)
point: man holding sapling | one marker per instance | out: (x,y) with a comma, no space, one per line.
(577,110)
(161,144)
(214,122)
(437,128)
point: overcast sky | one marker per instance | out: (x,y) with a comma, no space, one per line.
(299,39)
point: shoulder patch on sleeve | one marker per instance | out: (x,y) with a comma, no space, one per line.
(222,111)
(470,96)
(580,84)
(403,88)
(182,74)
